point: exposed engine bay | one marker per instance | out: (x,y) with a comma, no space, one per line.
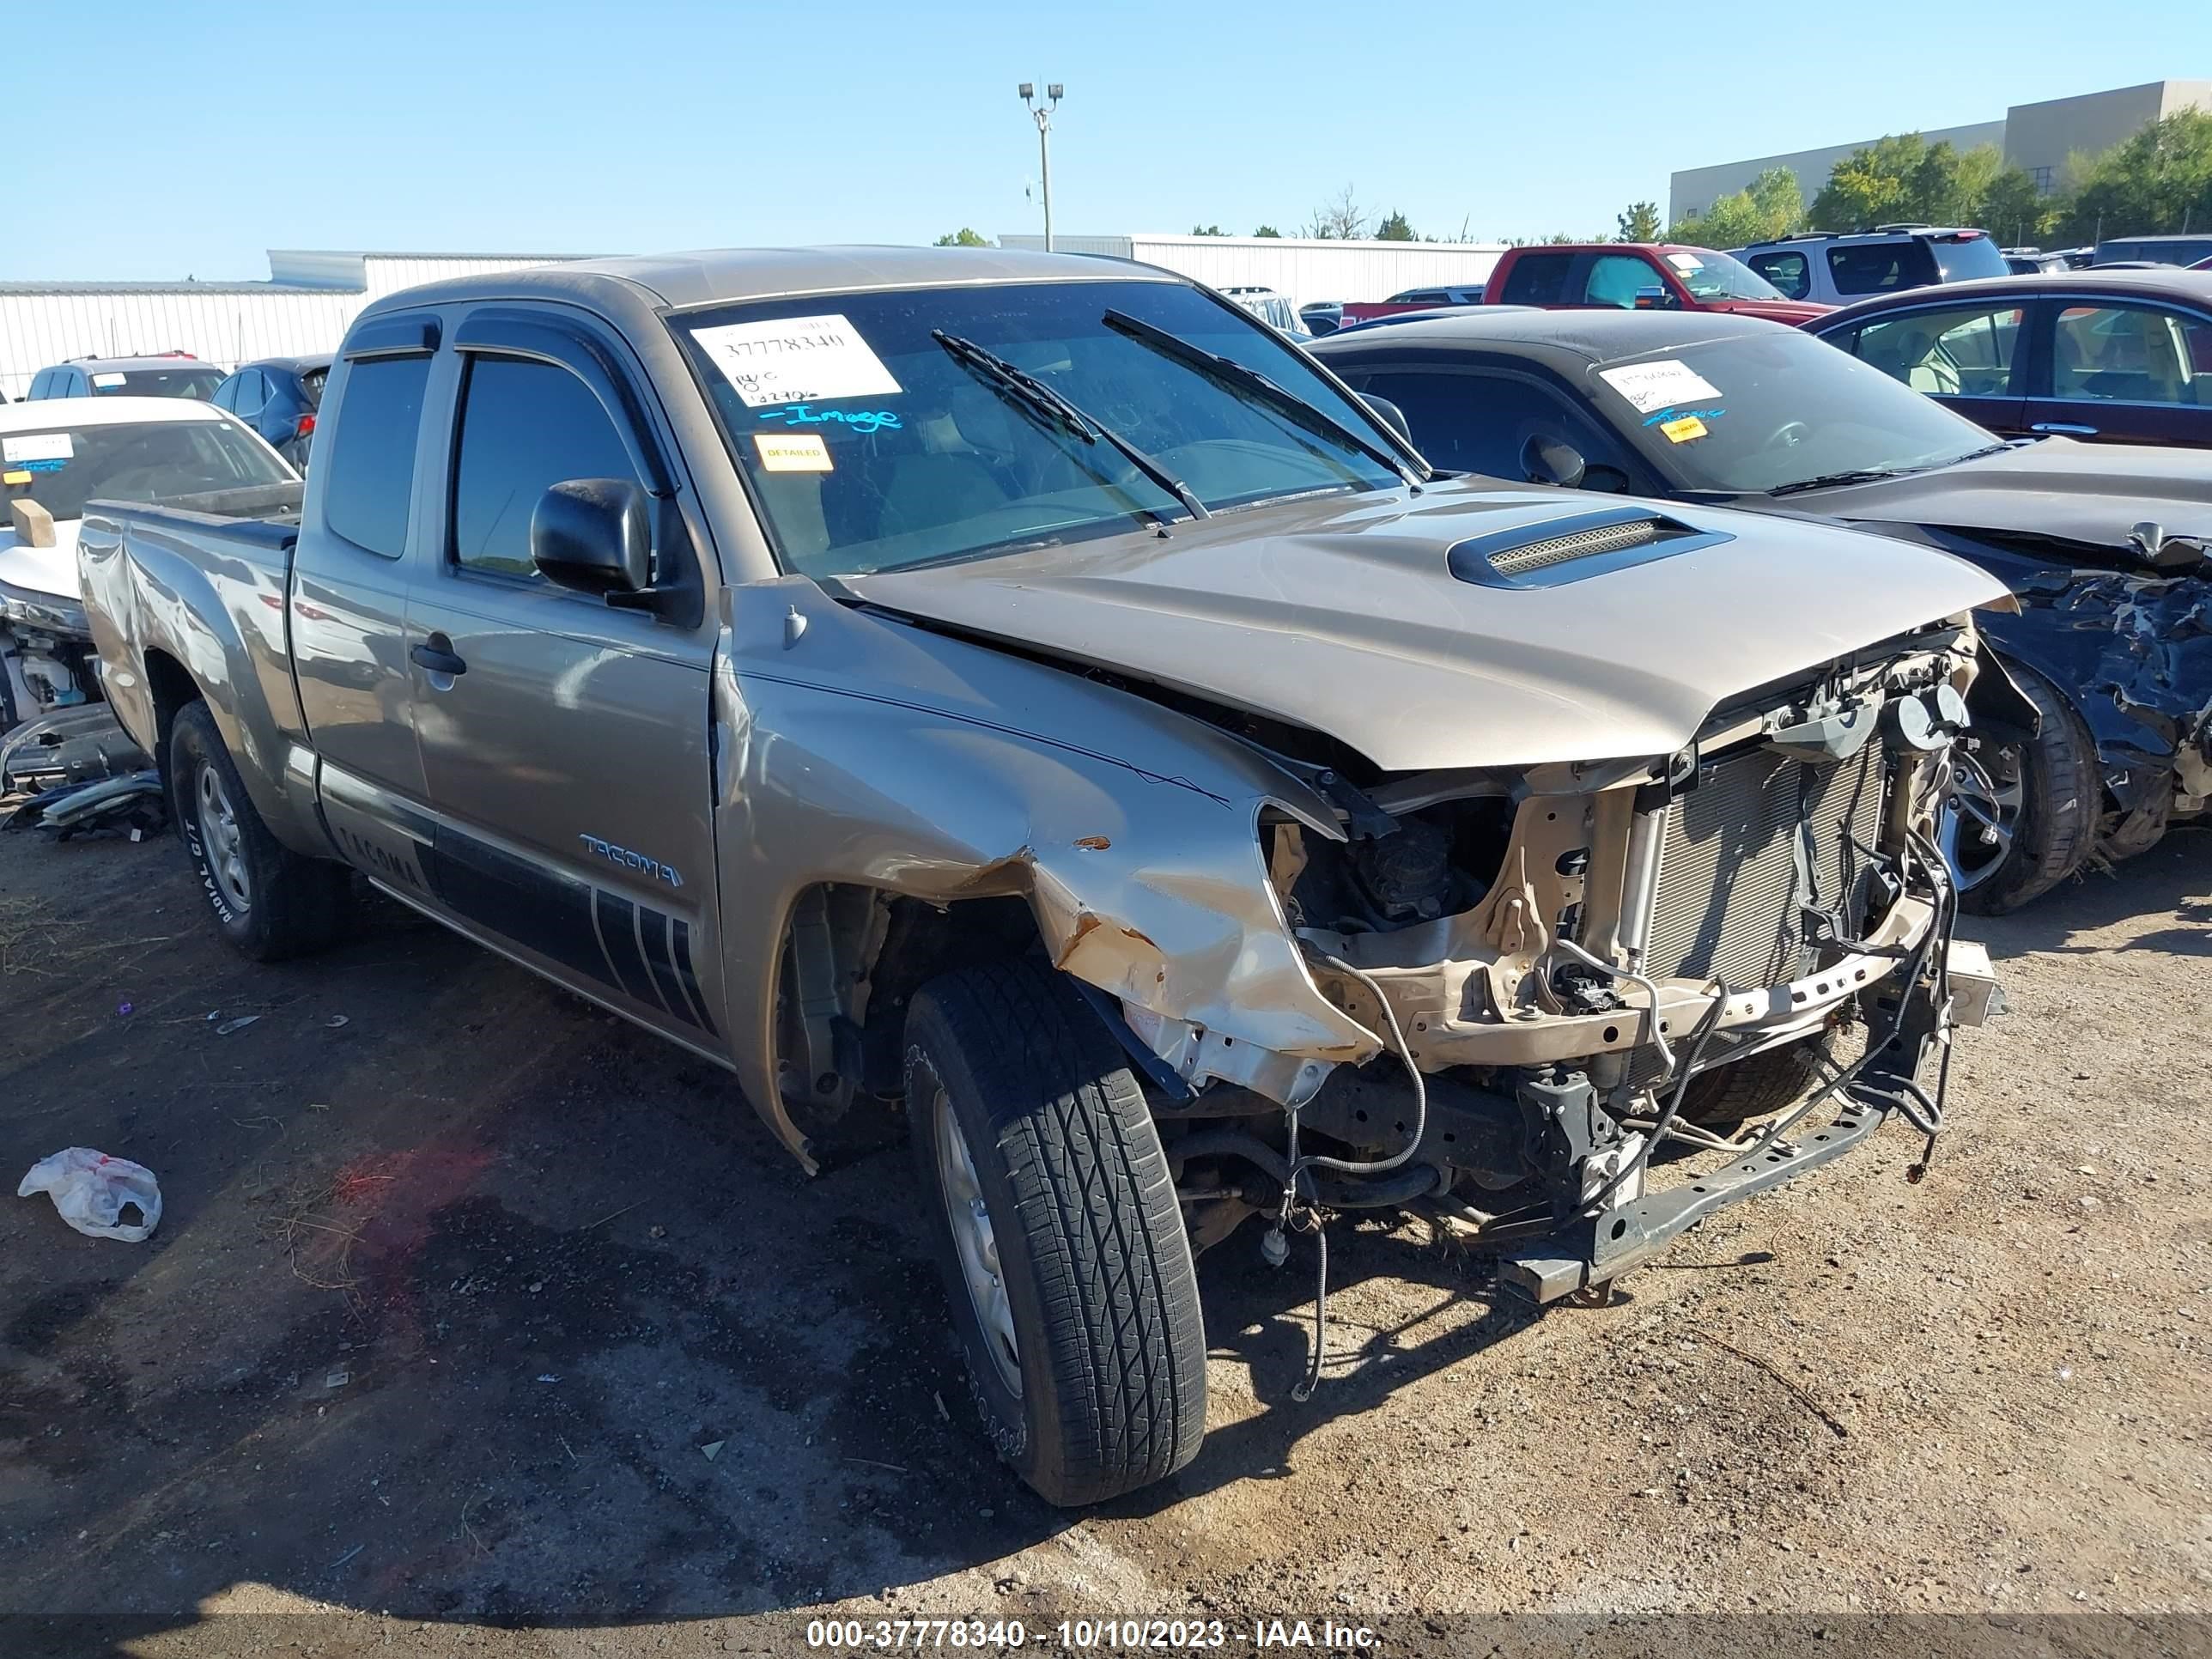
(1560,963)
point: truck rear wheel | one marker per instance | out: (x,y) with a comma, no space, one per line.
(1058,1232)
(269,901)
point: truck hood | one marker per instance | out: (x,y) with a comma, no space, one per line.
(2091,493)
(1795,312)
(1347,618)
(50,570)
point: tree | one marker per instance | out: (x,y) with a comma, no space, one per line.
(1269,230)
(1770,206)
(2158,182)
(1394,229)
(1640,223)
(1340,219)
(962,237)
(1903,179)
(2015,211)
(1207,230)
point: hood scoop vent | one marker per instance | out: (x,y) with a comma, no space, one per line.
(1556,551)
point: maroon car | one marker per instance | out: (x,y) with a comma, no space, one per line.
(2105,355)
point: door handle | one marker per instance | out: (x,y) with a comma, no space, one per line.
(2064,430)
(436,655)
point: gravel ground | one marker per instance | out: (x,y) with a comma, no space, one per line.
(479,1321)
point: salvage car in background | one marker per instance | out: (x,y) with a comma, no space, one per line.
(2109,356)
(166,375)
(1041,697)
(277,396)
(1646,275)
(1835,269)
(2103,545)
(55,457)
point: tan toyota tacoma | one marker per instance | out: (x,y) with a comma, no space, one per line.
(1028,695)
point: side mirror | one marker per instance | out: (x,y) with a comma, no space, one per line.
(594,535)
(1652,299)
(1549,461)
(1390,414)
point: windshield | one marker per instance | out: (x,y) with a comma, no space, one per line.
(1711,276)
(1765,411)
(870,445)
(144,461)
(1964,257)
(191,381)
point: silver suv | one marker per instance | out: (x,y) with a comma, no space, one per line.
(1833,269)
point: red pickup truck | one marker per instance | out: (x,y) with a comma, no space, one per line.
(1653,275)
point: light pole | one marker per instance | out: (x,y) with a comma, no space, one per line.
(1042,114)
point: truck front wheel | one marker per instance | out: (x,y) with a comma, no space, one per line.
(269,901)
(1057,1228)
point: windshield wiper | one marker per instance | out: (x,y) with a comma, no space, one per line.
(1242,378)
(1860,475)
(1045,406)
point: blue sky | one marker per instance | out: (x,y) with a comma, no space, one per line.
(555,127)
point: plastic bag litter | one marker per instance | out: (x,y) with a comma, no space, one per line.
(92,1191)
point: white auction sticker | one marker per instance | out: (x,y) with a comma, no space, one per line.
(111,379)
(797,359)
(36,446)
(1654,386)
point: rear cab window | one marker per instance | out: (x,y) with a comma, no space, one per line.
(1537,279)
(368,477)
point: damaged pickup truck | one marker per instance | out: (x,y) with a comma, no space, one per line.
(1025,694)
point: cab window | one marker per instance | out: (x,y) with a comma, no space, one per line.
(525,426)
(1787,271)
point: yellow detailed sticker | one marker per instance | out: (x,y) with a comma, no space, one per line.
(793,452)
(1681,431)
(15,477)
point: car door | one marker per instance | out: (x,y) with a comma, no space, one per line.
(1970,358)
(2121,371)
(565,741)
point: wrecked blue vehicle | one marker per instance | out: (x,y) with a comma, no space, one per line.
(2103,545)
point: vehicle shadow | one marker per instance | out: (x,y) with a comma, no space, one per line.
(483,1308)
(2080,916)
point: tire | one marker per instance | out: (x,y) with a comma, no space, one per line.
(1101,1388)
(2056,792)
(268,901)
(1744,1089)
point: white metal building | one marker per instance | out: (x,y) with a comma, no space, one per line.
(1304,269)
(303,308)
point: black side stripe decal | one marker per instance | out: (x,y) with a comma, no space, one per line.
(652,935)
(617,927)
(681,929)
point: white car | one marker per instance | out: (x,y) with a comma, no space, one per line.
(58,453)
(1271,307)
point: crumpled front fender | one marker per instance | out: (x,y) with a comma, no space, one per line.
(854,749)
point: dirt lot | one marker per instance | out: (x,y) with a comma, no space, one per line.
(460,1281)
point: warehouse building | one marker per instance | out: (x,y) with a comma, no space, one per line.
(1303,269)
(303,308)
(2038,138)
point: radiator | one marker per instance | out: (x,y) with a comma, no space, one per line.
(1733,884)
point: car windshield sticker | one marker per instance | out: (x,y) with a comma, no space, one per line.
(796,359)
(1682,430)
(36,446)
(1686,262)
(800,452)
(110,380)
(15,477)
(1652,386)
(857,420)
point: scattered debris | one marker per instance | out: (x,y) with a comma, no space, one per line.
(238,1024)
(712,1449)
(350,1554)
(894,1468)
(133,805)
(338,1379)
(336,1021)
(547,1376)
(94,1192)
(939,1399)
(77,745)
